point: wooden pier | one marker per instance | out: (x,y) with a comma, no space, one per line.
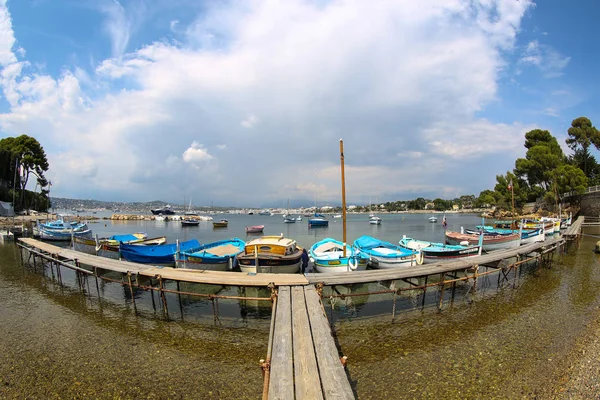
(302,360)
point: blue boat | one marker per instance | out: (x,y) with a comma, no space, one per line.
(318,220)
(387,255)
(435,252)
(64,234)
(216,256)
(327,256)
(164,254)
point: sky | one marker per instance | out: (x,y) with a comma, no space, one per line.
(243,103)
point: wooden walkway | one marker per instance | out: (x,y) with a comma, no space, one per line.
(226,278)
(305,362)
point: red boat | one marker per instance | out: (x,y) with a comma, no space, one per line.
(255,229)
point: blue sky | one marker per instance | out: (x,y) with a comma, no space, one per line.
(243,102)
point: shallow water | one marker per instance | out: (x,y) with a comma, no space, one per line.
(58,342)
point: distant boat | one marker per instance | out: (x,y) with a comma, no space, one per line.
(299,218)
(337,216)
(289,219)
(216,256)
(255,229)
(375,220)
(166,210)
(318,220)
(220,224)
(190,222)
(433,219)
(265,212)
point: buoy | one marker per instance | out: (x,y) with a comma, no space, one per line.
(597,248)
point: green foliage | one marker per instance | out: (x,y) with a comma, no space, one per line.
(582,134)
(486,198)
(570,178)
(29,157)
(543,155)
(441,204)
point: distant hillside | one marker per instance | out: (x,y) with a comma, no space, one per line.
(69,204)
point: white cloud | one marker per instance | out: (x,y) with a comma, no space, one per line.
(196,153)
(544,57)
(250,121)
(397,80)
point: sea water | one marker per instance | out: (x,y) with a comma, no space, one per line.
(66,341)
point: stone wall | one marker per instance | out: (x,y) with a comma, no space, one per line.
(590,204)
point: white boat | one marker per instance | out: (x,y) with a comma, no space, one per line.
(375,220)
(433,219)
(329,255)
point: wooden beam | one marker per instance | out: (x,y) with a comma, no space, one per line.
(331,371)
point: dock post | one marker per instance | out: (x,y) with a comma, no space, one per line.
(21,254)
(131,291)
(179,299)
(442,280)
(424,291)
(394,306)
(152,295)
(475,275)
(96,276)
(161,286)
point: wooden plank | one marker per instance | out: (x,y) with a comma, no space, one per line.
(331,371)
(306,375)
(281,382)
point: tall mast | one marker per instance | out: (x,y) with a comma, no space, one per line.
(343,194)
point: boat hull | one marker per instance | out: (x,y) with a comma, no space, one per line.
(344,266)
(270,265)
(490,242)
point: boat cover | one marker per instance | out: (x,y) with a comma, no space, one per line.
(158,254)
(124,238)
(216,251)
(379,248)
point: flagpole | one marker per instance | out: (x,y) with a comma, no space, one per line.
(512,191)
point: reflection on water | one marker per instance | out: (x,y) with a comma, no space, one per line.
(85,340)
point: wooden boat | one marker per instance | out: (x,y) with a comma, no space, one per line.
(328,255)
(220,224)
(255,229)
(64,235)
(527,235)
(164,254)
(216,256)
(432,252)
(387,255)
(271,254)
(490,242)
(110,246)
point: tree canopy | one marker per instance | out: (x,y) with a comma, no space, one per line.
(27,155)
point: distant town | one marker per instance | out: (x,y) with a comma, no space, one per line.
(80,206)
